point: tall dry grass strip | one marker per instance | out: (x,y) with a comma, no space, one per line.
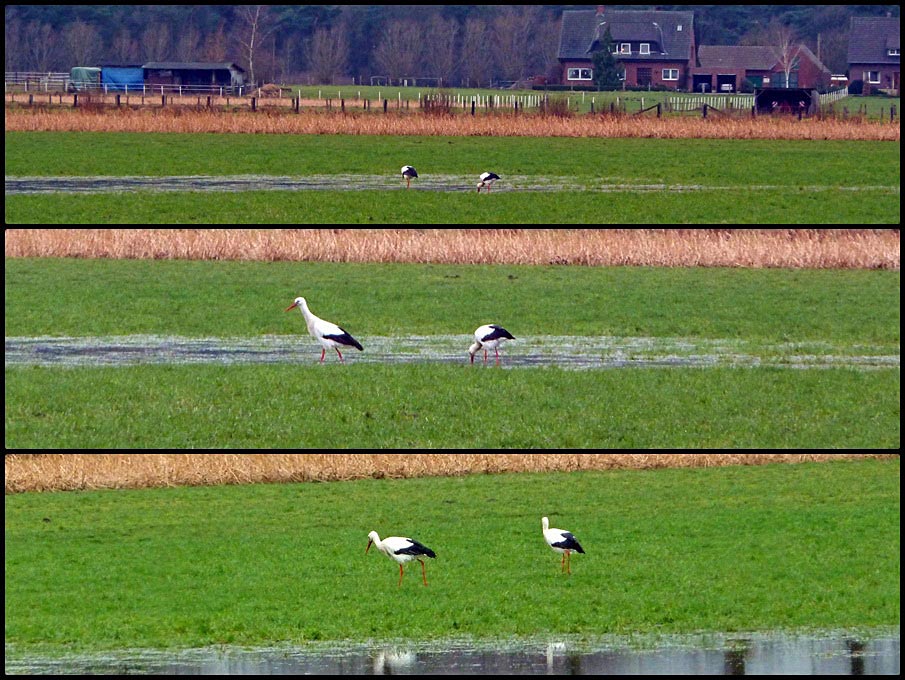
(490,125)
(68,471)
(804,248)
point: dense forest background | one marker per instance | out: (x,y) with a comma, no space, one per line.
(476,45)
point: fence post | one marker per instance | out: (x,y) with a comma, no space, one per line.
(705,110)
(254,103)
(658,109)
(472,107)
(384,105)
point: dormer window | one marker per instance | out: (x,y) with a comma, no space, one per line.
(893,52)
(625,48)
(645,48)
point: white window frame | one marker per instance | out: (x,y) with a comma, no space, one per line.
(625,48)
(644,48)
(667,73)
(893,52)
(870,77)
(580,73)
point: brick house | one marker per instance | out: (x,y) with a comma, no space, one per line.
(732,68)
(653,47)
(874,53)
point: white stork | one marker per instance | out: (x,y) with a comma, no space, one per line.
(327,334)
(487,337)
(562,542)
(401,550)
(487,180)
(407,173)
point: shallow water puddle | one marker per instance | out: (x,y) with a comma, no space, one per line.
(572,352)
(445,183)
(829,653)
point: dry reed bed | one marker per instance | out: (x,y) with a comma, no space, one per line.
(805,248)
(491,125)
(67,471)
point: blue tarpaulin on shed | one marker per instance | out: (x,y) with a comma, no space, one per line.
(122,78)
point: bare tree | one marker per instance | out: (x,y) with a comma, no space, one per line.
(512,32)
(40,46)
(215,45)
(188,44)
(440,59)
(156,43)
(785,49)
(124,49)
(398,50)
(258,22)
(476,65)
(327,54)
(82,43)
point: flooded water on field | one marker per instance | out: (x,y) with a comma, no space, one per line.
(571,352)
(357,182)
(831,653)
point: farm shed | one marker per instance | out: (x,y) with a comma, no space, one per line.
(786,100)
(194,74)
(122,78)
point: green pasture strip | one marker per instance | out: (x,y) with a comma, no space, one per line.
(719,206)
(740,163)
(729,549)
(579,101)
(76,297)
(309,405)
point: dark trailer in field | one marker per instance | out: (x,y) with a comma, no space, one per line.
(194,75)
(786,100)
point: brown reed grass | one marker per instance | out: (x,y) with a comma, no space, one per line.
(801,248)
(68,471)
(195,120)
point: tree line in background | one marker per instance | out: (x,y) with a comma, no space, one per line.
(470,45)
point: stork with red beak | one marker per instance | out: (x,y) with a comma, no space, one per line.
(401,550)
(327,334)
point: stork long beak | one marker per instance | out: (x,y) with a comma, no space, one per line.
(292,306)
(369,546)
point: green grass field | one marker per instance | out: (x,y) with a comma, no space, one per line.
(716,181)
(304,404)
(752,548)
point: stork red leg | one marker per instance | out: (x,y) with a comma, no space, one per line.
(340,355)
(423,573)
(323,354)
(400,576)
(497,356)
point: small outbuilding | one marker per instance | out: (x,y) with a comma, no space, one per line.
(194,74)
(786,100)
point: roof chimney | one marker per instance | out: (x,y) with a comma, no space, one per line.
(600,9)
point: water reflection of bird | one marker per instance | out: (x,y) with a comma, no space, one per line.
(401,550)
(562,542)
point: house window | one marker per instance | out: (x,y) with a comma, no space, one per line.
(645,75)
(579,74)
(679,27)
(670,74)
(645,48)
(873,77)
(893,52)
(625,48)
